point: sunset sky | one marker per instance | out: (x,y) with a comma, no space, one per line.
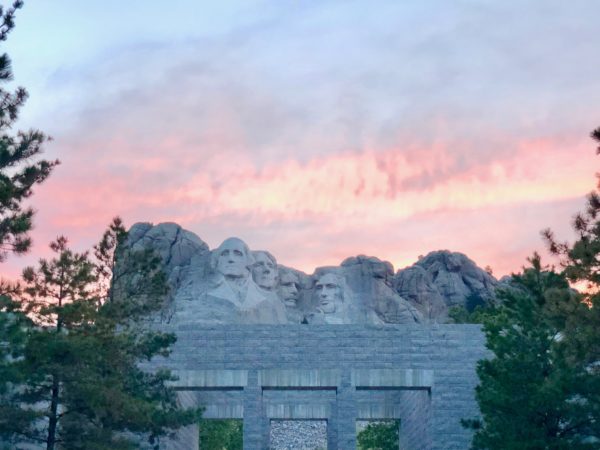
(316,130)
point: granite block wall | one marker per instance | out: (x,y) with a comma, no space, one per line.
(423,375)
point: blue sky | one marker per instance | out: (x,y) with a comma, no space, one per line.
(335,127)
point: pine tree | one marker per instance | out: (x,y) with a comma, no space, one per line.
(526,390)
(541,388)
(19,169)
(82,354)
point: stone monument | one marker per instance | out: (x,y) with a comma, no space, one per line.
(270,344)
(232,295)
(233,284)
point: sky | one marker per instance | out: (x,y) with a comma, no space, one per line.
(317,130)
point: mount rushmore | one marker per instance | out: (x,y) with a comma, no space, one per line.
(235,284)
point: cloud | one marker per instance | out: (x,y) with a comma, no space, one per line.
(331,129)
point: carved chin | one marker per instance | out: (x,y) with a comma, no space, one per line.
(265,282)
(234,272)
(327,308)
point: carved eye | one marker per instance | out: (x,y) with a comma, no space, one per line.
(331,286)
(319,287)
(237,253)
(225,253)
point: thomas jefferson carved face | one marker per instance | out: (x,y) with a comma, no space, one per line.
(233,259)
(329,292)
(288,289)
(264,270)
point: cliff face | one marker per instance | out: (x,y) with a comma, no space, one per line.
(441,280)
(215,287)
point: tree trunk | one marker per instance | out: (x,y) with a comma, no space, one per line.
(52,425)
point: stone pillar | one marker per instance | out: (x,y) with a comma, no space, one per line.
(332,435)
(346,412)
(253,414)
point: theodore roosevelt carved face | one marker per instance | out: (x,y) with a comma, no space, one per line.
(288,288)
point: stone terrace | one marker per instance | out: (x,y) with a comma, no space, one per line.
(423,375)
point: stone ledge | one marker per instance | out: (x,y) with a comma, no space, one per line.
(370,411)
(298,411)
(284,378)
(228,411)
(393,378)
(194,379)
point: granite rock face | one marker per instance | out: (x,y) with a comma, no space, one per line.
(371,281)
(416,285)
(176,246)
(234,284)
(444,279)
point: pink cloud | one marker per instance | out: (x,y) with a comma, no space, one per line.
(320,210)
(472,143)
(357,186)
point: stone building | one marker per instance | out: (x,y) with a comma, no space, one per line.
(423,375)
(268,344)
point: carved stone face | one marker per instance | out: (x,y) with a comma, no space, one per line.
(329,293)
(264,270)
(232,258)
(288,289)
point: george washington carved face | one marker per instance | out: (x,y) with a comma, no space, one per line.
(232,259)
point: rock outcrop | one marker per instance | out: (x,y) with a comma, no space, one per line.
(444,279)
(233,284)
(371,280)
(177,247)
(416,285)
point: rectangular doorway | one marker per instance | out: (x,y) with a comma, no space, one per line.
(221,434)
(301,434)
(378,434)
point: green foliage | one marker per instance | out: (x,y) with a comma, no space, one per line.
(460,314)
(13,339)
(379,436)
(475,309)
(221,434)
(19,169)
(527,393)
(82,352)
(541,389)
(70,347)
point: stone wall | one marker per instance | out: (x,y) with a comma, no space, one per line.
(423,375)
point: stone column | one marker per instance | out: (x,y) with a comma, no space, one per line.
(346,412)
(332,435)
(253,414)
